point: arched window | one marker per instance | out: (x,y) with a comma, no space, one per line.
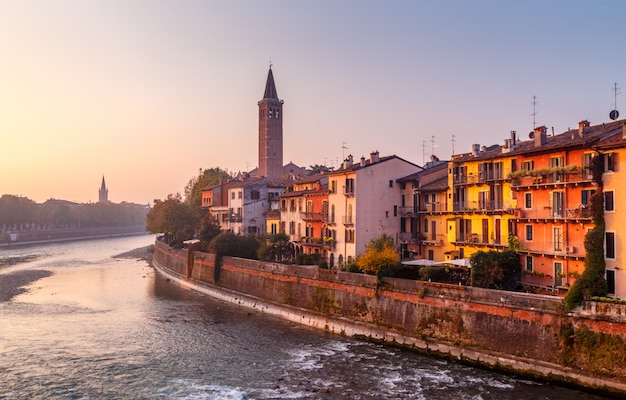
(331,260)
(340,259)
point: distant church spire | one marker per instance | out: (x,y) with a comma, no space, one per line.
(270,131)
(103,193)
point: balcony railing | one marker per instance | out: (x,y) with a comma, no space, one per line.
(313,216)
(482,206)
(545,177)
(433,240)
(434,207)
(407,211)
(411,237)
(578,212)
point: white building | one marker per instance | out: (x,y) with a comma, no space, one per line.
(364,200)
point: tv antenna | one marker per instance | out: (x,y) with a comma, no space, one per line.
(615,114)
(534,114)
(343,150)
(453,140)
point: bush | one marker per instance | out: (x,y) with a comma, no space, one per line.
(495,270)
(308,259)
(229,244)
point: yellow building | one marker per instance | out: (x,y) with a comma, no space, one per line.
(480,201)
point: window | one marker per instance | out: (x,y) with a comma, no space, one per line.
(332,213)
(557,204)
(395,211)
(292,227)
(529,263)
(529,232)
(610,244)
(239,194)
(255,195)
(232,195)
(610,281)
(528,165)
(557,238)
(349,185)
(585,198)
(609,204)
(333,186)
(425,225)
(431,255)
(610,161)
(390,183)
(528,200)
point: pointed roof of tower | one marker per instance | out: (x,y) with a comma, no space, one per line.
(103,186)
(270,87)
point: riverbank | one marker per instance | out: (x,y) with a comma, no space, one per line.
(12,284)
(527,335)
(27,238)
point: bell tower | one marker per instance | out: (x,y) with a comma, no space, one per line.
(270,131)
(103,193)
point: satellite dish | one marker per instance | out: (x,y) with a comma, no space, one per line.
(614,115)
(531,135)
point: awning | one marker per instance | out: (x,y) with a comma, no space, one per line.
(422,262)
(461,262)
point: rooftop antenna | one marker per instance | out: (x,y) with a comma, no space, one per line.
(615,114)
(534,114)
(423,152)
(453,141)
(247,166)
(343,150)
(433,145)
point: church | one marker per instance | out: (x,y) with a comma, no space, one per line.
(271,136)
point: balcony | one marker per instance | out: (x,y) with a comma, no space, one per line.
(433,240)
(234,218)
(407,211)
(483,207)
(433,208)
(410,237)
(579,213)
(551,177)
(313,216)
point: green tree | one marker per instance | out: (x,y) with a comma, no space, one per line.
(229,244)
(318,169)
(206,178)
(276,248)
(172,217)
(495,270)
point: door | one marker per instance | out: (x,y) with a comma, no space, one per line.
(558,273)
(498,231)
(485,231)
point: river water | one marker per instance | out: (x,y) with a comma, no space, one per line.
(94,326)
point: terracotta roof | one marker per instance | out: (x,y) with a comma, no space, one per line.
(417,175)
(567,139)
(434,186)
(368,163)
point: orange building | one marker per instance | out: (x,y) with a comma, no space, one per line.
(552,185)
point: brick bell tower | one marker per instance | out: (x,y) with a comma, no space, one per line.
(270,131)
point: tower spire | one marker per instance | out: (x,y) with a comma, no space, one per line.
(270,86)
(270,131)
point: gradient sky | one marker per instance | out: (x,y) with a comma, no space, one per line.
(147,92)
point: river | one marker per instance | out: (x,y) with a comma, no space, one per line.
(89,325)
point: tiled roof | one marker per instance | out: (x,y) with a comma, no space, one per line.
(567,139)
(427,171)
(435,186)
(368,163)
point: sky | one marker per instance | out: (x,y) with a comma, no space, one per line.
(146,93)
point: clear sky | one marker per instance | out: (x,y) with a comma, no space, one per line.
(147,92)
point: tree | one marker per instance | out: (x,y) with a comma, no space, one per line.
(380,254)
(276,248)
(495,270)
(206,178)
(318,169)
(172,217)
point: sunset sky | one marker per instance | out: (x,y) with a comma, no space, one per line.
(147,92)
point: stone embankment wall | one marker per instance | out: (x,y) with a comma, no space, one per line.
(59,235)
(522,333)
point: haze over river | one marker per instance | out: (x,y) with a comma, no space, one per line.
(93,326)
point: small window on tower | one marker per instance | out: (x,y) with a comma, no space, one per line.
(270,113)
(277,113)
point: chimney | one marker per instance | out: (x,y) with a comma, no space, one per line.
(347,163)
(475,149)
(374,157)
(362,161)
(513,140)
(583,127)
(540,136)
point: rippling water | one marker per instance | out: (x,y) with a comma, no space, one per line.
(112,328)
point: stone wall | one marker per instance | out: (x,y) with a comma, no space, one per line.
(520,332)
